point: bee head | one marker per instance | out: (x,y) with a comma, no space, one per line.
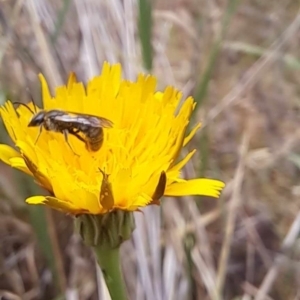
(37,119)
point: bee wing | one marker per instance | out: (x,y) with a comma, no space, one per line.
(95,121)
(85,119)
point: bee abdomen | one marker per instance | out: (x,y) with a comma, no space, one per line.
(94,139)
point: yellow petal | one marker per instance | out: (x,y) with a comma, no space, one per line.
(182,122)
(201,186)
(45,92)
(191,134)
(7,153)
(174,171)
(41,178)
(72,79)
(36,200)
(140,201)
(19,163)
(55,203)
(13,158)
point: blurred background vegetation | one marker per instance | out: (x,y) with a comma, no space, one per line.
(240,60)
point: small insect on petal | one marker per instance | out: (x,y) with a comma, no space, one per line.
(106,195)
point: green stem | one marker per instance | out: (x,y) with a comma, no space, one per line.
(109,262)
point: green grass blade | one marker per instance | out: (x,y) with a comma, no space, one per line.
(39,222)
(201,91)
(290,61)
(145,32)
(60,21)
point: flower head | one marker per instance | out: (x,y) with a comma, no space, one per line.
(138,161)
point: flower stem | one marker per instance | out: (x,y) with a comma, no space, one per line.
(109,262)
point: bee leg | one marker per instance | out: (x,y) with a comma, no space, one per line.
(40,131)
(65,132)
(75,133)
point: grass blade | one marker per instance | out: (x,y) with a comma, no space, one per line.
(145,32)
(201,91)
(60,21)
(42,227)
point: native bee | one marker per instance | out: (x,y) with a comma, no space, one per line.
(87,128)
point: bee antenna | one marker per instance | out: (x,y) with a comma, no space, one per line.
(31,97)
(34,105)
(20,103)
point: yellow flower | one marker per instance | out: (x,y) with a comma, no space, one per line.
(138,162)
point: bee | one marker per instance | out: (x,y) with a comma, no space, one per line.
(87,128)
